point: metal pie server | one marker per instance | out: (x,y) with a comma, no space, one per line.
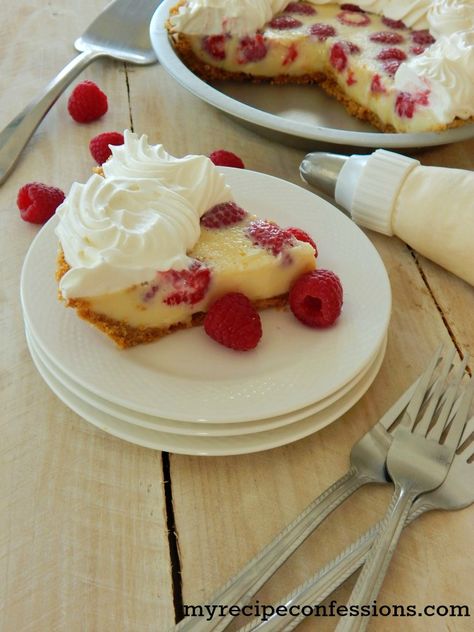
(121,31)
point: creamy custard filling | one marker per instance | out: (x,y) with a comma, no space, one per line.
(234,264)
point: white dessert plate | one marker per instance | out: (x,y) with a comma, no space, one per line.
(207,446)
(191,428)
(186,376)
(302,115)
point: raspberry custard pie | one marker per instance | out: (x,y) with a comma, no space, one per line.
(149,245)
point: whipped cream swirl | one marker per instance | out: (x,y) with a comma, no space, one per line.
(194,177)
(447,69)
(117,232)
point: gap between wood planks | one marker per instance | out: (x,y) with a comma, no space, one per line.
(438,307)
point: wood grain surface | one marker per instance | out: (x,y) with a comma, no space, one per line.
(98,534)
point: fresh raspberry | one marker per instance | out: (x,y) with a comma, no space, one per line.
(224,158)
(322,31)
(269,236)
(87,102)
(189,285)
(391,66)
(393,24)
(423,37)
(214,45)
(352,7)
(99,145)
(251,48)
(233,322)
(225,214)
(353,18)
(316,298)
(376,85)
(301,235)
(300,8)
(338,57)
(291,55)
(392,53)
(282,22)
(386,37)
(38,202)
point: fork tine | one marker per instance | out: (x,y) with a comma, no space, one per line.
(448,407)
(413,408)
(435,397)
(456,428)
(467,437)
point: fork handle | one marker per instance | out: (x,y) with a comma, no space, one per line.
(374,571)
(15,136)
(251,578)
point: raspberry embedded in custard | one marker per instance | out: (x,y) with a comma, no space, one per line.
(386,37)
(393,24)
(269,236)
(392,53)
(352,7)
(300,8)
(187,286)
(251,48)
(338,57)
(322,31)
(423,37)
(283,22)
(214,45)
(376,85)
(391,66)
(406,102)
(291,55)
(353,18)
(224,214)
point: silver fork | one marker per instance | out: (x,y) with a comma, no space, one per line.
(417,462)
(457,492)
(367,465)
(120,31)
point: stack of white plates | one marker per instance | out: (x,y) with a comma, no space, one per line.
(187,394)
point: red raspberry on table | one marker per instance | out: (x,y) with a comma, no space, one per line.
(423,37)
(393,24)
(353,18)
(225,214)
(300,8)
(189,285)
(251,48)
(38,202)
(282,22)
(87,102)
(224,158)
(214,45)
(301,235)
(234,322)
(99,145)
(322,31)
(269,236)
(386,37)
(316,298)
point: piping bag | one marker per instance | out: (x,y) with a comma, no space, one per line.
(429,208)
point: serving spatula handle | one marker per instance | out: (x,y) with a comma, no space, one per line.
(15,136)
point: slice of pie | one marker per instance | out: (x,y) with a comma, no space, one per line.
(353,54)
(141,257)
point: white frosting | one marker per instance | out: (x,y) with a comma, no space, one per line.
(445,69)
(116,232)
(194,177)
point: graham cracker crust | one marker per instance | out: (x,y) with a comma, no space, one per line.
(125,335)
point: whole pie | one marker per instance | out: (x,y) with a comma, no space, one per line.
(404,66)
